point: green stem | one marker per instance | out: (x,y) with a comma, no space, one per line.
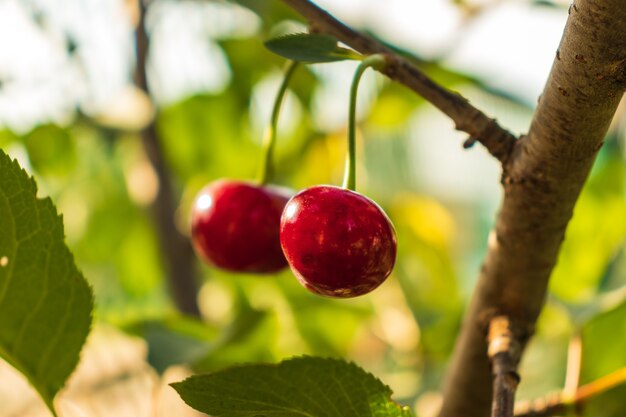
(378,62)
(269,140)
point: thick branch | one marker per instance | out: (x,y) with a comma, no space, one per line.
(176,249)
(542,182)
(498,141)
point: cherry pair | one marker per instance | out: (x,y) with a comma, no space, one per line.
(337,242)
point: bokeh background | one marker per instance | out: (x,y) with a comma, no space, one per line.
(72,115)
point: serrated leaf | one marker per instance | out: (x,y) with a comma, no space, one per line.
(310,48)
(45,303)
(304,386)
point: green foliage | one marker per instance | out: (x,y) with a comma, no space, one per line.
(310,48)
(174,340)
(596,233)
(45,303)
(305,386)
(50,150)
(604,352)
(604,343)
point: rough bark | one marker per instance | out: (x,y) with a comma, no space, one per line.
(542,181)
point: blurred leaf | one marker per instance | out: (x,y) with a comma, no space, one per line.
(258,6)
(301,386)
(426,274)
(594,236)
(207,135)
(328,340)
(322,163)
(6,136)
(115,242)
(139,275)
(545,360)
(45,303)
(246,321)
(248,337)
(51,150)
(386,162)
(392,109)
(310,48)
(608,404)
(175,340)
(604,343)
(439,229)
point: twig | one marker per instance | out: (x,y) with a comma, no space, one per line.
(559,403)
(176,249)
(574,365)
(498,141)
(503,352)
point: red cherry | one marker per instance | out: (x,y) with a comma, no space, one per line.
(338,243)
(235,226)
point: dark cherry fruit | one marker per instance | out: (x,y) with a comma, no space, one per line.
(338,243)
(235,226)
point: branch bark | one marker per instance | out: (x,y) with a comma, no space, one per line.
(503,352)
(176,249)
(542,181)
(481,128)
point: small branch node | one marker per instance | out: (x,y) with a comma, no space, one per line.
(469,142)
(501,338)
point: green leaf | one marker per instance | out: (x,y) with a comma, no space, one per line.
(599,357)
(45,303)
(305,386)
(174,340)
(310,48)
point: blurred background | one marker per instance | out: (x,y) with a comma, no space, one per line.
(123,159)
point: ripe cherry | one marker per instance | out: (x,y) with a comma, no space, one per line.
(338,243)
(235,226)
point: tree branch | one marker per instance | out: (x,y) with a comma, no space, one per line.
(574,365)
(503,352)
(542,181)
(498,141)
(175,248)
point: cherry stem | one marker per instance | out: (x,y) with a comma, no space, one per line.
(378,62)
(269,140)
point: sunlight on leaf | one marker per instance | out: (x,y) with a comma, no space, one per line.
(301,386)
(310,48)
(45,303)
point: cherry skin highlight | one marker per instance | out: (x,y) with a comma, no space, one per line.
(338,243)
(235,226)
